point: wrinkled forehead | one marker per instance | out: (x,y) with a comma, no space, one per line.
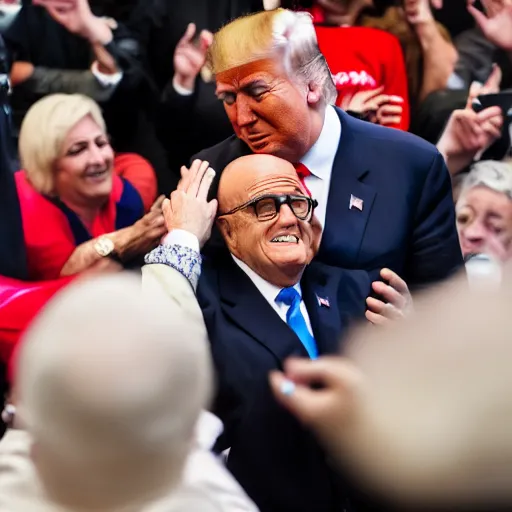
(245,75)
(273,184)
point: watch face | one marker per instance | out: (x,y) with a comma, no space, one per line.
(104,246)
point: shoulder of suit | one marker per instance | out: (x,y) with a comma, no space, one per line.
(223,152)
(374,137)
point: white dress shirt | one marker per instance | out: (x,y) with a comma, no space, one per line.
(270,293)
(320,159)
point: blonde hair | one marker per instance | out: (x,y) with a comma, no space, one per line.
(281,33)
(43,131)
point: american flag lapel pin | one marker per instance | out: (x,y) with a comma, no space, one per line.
(323,302)
(355,202)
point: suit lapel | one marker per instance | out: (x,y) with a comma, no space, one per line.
(325,318)
(345,226)
(249,310)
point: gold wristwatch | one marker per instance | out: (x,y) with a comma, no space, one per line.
(106,248)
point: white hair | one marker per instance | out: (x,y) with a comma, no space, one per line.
(294,35)
(110,385)
(492,174)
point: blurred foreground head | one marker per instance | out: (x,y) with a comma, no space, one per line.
(421,412)
(110,386)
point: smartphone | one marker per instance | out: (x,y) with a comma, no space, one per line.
(500,99)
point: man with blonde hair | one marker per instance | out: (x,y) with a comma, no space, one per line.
(384,196)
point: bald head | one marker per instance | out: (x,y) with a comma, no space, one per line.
(250,176)
(110,385)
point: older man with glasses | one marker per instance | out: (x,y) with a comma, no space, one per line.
(263,301)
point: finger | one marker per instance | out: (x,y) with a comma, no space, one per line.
(213,205)
(437,4)
(166,207)
(193,189)
(492,85)
(206,183)
(487,114)
(375,305)
(395,281)
(376,319)
(189,34)
(388,110)
(388,120)
(206,40)
(303,402)
(480,18)
(396,99)
(496,121)
(491,131)
(372,93)
(389,294)
(157,205)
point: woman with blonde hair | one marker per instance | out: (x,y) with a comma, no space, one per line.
(78,212)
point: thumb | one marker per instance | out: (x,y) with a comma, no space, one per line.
(166,207)
(213,205)
(301,401)
(493,82)
(474,91)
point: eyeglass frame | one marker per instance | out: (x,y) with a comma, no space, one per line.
(279,200)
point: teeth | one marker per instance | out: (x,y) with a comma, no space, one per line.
(292,239)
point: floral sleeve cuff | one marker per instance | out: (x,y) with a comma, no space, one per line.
(183,259)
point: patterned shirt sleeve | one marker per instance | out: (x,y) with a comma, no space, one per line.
(185,260)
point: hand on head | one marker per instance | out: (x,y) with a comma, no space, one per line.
(188,207)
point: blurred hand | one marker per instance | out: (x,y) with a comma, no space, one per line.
(189,57)
(321,393)
(396,303)
(491,86)
(496,22)
(375,106)
(419,12)
(145,234)
(188,207)
(21,72)
(77,18)
(467,134)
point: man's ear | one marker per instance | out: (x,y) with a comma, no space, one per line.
(228,234)
(314,93)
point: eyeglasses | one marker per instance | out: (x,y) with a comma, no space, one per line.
(267,207)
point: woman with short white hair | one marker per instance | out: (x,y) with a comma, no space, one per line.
(484,210)
(78,212)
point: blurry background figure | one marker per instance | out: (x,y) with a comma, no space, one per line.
(422,412)
(484,221)
(110,396)
(175,36)
(92,203)
(77,46)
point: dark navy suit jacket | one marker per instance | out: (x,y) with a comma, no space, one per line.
(408,218)
(274,458)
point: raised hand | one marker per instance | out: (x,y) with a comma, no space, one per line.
(496,22)
(76,16)
(188,207)
(190,57)
(398,300)
(377,107)
(419,11)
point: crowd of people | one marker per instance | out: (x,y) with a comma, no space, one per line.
(235,243)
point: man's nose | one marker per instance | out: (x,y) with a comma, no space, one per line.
(244,113)
(286,216)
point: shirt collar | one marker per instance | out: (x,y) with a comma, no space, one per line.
(268,290)
(320,158)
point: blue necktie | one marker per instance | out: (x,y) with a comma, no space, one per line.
(295,319)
